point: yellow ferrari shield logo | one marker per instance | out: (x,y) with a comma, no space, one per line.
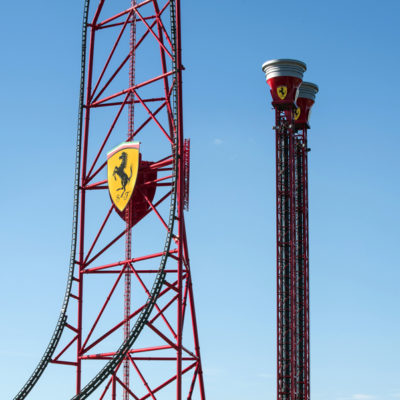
(281,92)
(297,113)
(122,170)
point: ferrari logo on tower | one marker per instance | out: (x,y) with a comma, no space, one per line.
(297,113)
(122,170)
(281,91)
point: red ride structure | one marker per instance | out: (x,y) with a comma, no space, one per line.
(127,327)
(291,123)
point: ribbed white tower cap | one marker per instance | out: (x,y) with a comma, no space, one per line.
(308,90)
(284,67)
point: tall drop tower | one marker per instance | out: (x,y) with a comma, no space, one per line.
(292,100)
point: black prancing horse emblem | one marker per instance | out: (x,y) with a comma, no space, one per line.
(121,173)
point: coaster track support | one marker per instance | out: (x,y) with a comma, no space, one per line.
(162,308)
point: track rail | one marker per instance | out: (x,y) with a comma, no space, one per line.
(143,318)
(49,352)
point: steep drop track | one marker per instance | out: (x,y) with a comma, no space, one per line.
(143,317)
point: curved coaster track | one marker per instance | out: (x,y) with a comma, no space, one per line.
(130,89)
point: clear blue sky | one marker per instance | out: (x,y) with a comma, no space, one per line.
(352,52)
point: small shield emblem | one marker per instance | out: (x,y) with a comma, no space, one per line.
(281,92)
(122,171)
(297,113)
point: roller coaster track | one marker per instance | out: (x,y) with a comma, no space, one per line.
(143,317)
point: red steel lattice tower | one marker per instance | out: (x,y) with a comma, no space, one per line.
(291,123)
(304,102)
(131,89)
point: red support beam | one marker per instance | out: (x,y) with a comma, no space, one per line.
(109,95)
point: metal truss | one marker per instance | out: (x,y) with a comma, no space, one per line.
(293,353)
(132,72)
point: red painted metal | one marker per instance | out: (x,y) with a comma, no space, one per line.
(285,252)
(303,315)
(186,161)
(303,111)
(292,84)
(145,187)
(119,87)
(293,343)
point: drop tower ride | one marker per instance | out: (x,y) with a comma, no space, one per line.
(292,100)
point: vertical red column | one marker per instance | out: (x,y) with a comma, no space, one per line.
(128,213)
(285,201)
(180,197)
(301,264)
(305,101)
(306,364)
